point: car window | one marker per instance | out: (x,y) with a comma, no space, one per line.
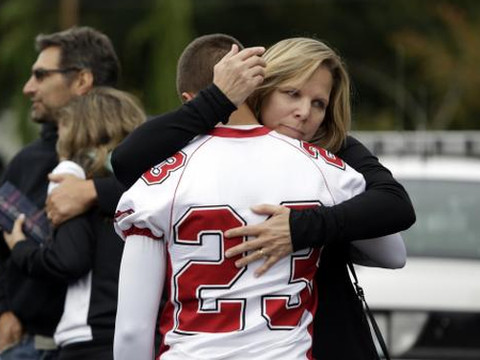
(448,219)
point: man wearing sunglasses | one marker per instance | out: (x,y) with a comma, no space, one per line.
(69,64)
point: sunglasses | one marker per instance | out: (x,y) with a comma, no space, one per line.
(41,74)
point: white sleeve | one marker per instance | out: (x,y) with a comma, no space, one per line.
(142,275)
(66,167)
(138,214)
(386,252)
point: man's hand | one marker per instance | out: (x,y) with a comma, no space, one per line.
(72,197)
(273,240)
(10,330)
(239,73)
(17,233)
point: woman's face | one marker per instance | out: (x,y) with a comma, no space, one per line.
(298,111)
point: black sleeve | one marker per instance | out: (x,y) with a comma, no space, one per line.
(4,253)
(109,190)
(68,257)
(4,250)
(162,136)
(4,306)
(384,208)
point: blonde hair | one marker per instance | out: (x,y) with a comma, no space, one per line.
(295,60)
(92,125)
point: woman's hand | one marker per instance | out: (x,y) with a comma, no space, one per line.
(17,233)
(273,240)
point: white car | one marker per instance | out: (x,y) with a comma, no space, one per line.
(430,309)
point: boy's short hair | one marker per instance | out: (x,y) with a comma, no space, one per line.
(195,65)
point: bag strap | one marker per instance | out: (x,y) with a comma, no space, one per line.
(366,309)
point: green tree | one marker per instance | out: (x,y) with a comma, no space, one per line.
(446,62)
(19,24)
(412,63)
(154,46)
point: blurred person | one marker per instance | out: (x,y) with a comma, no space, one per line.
(69,64)
(190,203)
(2,165)
(382,209)
(85,252)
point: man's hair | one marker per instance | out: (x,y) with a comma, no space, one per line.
(195,65)
(92,125)
(84,48)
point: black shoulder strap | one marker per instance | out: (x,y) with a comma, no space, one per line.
(371,319)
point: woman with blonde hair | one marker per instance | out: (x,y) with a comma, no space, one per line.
(290,63)
(84,252)
(304,79)
(93,125)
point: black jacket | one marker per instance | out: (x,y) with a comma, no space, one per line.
(340,331)
(84,244)
(39,303)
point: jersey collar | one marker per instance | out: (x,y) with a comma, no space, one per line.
(240,131)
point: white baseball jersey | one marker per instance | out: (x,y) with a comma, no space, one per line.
(215,310)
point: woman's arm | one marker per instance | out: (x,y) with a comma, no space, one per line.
(108,190)
(67,258)
(235,77)
(162,136)
(384,208)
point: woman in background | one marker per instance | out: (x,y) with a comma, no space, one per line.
(85,252)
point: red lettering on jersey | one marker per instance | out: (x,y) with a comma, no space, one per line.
(299,205)
(158,173)
(197,313)
(315,151)
(284,312)
(222,315)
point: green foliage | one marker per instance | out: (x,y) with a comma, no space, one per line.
(413,63)
(161,37)
(446,61)
(16,53)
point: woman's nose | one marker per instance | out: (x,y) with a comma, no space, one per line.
(303,109)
